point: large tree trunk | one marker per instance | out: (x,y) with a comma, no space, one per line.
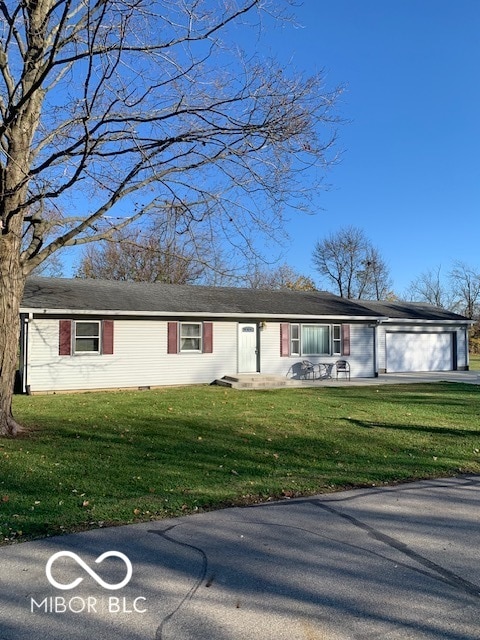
(12,282)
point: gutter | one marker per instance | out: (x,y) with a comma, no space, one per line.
(429,322)
(238,314)
(198,314)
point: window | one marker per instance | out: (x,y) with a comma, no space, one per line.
(191,336)
(295,339)
(337,340)
(87,337)
(315,340)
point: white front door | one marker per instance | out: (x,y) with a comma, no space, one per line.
(247,348)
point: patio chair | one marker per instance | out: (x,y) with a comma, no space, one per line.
(325,370)
(342,367)
(308,370)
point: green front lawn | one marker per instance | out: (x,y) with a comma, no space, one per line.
(98,459)
(475,362)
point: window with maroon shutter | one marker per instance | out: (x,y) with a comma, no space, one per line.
(345,339)
(172,338)
(83,336)
(314,339)
(65,338)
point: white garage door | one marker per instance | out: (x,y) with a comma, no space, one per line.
(419,352)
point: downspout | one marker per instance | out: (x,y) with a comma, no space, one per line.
(467,350)
(375,350)
(23,360)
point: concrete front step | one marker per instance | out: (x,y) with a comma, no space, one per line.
(259,381)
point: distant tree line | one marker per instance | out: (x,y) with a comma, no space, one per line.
(347,262)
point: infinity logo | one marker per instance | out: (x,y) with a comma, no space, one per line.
(91,572)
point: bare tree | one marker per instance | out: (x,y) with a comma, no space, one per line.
(431,288)
(349,261)
(138,257)
(282,277)
(151,253)
(465,282)
(110,110)
(52,267)
(374,282)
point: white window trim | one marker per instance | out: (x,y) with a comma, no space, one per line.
(199,337)
(97,337)
(333,343)
(337,340)
(295,352)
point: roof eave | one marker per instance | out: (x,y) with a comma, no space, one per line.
(199,314)
(447,321)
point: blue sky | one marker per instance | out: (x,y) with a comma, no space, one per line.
(410,172)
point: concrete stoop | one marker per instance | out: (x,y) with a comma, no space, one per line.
(247,381)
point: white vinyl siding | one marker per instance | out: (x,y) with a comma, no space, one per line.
(361,359)
(140,359)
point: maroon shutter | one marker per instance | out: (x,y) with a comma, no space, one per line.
(284,339)
(345,339)
(65,338)
(208,337)
(107,337)
(172,342)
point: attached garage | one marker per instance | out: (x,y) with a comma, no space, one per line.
(415,336)
(420,351)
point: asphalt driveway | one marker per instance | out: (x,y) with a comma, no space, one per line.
(388,563)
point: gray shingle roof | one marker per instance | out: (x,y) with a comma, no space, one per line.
(61,294)
(410,310)
(105,295)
